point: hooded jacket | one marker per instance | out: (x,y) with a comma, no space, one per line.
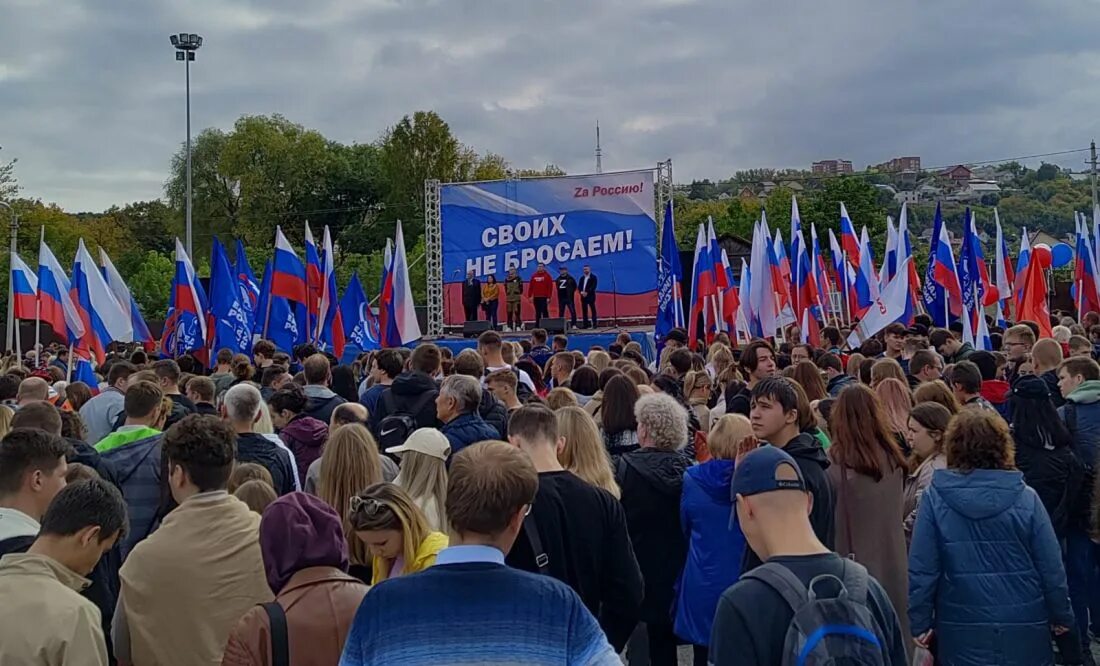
(467,429)
(985,570)
(137,468)
(812,462)
(1051,378)
(1082,416)
(715,548)
(493,412)
(407,389)
(256,448)
(305,436)
(322,401)
(305,559)
(652,481)
(996,393)
(44,620)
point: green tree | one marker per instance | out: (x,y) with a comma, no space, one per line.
(216,196)
(1047,171)
(418,148)
(151,283)
(148,225)
(822,206)
(8,186)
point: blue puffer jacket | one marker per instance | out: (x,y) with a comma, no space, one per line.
(714,548)
(467,429)
(138,469)
(985,570)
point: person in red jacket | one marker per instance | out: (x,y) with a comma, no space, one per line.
(540,288)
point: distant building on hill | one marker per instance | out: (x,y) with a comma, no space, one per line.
(899,164)
(959,174)
(832,167)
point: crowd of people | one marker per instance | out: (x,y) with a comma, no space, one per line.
(912,501)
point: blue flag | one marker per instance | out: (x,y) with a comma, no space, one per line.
(232,326)
(670,304)
(360,326)
(933,294)
(279,322)
(250,289)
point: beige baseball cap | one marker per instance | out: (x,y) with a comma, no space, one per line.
(428,441)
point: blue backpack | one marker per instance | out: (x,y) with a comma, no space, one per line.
(827,630)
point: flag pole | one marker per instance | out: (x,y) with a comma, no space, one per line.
(1080,301)
(38,304)
(69,365)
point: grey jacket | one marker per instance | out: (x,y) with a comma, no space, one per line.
(100,413)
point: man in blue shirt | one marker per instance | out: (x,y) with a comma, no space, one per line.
(470,608)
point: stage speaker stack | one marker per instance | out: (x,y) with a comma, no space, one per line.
(472,329)
(553,325)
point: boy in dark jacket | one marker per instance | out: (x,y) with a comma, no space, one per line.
(774,416)
(413,392)
(322,400)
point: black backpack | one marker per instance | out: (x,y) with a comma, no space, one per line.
(396,427)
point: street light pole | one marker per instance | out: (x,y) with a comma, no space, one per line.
(13,249)
(186,44)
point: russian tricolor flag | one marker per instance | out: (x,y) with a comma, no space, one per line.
(185,326)
(103,316)
(387,324)
(24,285)
(288,275)
(56,306)
(403,309)
(126,300)
(314,283)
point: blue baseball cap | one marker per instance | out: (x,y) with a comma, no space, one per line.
(756,473)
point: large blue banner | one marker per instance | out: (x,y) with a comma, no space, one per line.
(602,221)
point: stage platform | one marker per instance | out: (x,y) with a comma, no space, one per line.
(579,339)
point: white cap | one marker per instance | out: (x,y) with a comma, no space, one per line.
(428,441)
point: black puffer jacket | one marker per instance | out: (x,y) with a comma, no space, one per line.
(494,413)
(408,388)
(812,462)
(652,481)
(1059,478)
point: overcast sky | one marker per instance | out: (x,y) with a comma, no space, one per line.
(92,100)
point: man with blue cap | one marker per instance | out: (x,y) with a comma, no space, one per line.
(772,506)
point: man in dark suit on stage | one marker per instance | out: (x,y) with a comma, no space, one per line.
(567,292)
(471,296)
(588,297)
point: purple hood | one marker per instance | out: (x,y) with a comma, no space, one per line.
(306,431)
(299,531)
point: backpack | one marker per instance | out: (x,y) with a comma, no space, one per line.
(836,629)
(397,425)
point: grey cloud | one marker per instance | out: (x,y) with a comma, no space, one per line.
(93,101)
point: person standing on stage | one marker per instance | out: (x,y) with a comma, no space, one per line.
(471,296)
(513,292)
(539,290)
(490,300)
(588,297)
(567,291)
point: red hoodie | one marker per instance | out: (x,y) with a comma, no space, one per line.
(541,285)
(996,391)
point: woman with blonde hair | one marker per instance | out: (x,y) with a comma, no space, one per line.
(386,519)
(938,392)
(599,360)
(896,401)
(349,464)
(424,473)
(561,397)
(714,546)
(719,358)
(583,452)
(886,367)
(697,392)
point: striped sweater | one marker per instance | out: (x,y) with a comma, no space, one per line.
(474,613)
